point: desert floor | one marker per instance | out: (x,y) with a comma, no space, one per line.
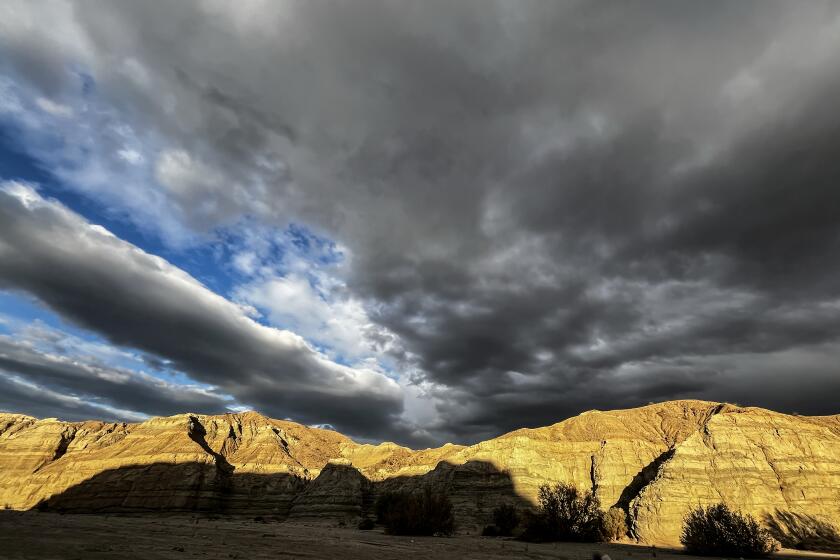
(68,537)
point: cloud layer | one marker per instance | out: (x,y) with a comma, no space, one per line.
(546,207)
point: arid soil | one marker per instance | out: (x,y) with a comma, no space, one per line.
(26,535)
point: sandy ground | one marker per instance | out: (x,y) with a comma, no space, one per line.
(87,537)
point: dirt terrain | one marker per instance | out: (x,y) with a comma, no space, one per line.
(25,535)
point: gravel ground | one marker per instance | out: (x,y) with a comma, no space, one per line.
(25,535)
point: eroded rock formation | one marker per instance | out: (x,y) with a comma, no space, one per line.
(655,462)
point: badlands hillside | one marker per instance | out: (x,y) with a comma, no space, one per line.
(654,462)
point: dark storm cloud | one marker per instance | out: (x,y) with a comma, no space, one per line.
(770,205)
(141,301)
(113,387)
(25,398)
(474,411)
(554,206)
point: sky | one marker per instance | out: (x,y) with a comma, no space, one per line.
(417,221)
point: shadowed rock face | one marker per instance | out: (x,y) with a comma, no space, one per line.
(339,491)
(655,462)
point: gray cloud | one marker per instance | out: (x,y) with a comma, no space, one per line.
(552,206)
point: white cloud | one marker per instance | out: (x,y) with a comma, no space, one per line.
(79,152)
(53,108)
(131,156)
(338,324)
(297,280)
(245,262)
(24,192)
(182,175)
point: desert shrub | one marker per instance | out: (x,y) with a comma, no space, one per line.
(615,524)
(719,531)
(565,514)
(366,524)
(505,519)
(415,513)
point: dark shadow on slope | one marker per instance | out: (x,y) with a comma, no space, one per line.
(197,433)
(223,477)
(637,484)
(63,445)
(211,487)
(475,488)
(339,493)
(177,488)
(802,531)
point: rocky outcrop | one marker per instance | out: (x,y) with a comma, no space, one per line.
(340,492)
(655,462)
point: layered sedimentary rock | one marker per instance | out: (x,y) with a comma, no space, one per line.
(339,491)
(763,462)
(655,462)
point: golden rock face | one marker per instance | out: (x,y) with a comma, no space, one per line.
(655,462)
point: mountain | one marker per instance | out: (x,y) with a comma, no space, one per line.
(655,462)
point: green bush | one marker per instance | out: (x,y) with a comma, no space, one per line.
(615,524)
(415,513)
(565,514)
(719,531)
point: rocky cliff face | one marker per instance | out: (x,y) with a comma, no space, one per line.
(654,462)
(765,463)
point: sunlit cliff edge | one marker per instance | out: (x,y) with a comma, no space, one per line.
(655,462)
